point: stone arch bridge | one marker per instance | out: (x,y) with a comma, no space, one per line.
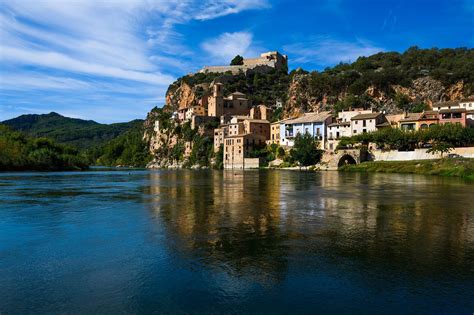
(340,158)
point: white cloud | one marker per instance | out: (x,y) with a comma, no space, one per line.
(223,48)
(327,51)
(88,46)
(60,61)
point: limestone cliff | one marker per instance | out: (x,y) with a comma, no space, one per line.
(302,97)
(181,95)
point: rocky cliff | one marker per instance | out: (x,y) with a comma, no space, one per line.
(303,98)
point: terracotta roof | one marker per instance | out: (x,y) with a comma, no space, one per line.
(411,117)
(310,117)
(453,110)
(366,116)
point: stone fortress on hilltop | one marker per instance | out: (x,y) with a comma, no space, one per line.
(266,61)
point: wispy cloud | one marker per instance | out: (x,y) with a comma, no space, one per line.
(224,47)
(98,51)
(326,51)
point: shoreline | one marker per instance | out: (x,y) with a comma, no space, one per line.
(458,167)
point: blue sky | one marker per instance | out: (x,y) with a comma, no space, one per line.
(112,61)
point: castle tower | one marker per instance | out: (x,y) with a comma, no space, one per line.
(216,101)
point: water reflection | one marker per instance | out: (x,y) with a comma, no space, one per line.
(258,224)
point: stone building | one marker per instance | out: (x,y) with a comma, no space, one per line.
(261,112)
(234,104)
(239,138)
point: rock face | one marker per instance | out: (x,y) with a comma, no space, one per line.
(181,95)
(301,98)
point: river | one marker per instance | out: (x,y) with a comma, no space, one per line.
(235,242)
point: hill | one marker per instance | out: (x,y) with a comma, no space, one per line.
(19,152)
(388,81)
(79,133)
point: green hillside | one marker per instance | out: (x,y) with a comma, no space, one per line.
(79,133)
(19,152)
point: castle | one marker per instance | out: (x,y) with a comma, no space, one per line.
(266,61)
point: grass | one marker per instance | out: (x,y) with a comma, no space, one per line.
(461,167)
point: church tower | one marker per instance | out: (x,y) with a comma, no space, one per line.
(216,101)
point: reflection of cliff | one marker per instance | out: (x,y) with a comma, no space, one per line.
(260,223)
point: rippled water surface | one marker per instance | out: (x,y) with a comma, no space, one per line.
(235,242)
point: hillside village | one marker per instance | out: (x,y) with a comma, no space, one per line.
(238,127)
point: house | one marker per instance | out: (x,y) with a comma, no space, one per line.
(274,133)
(453,116)
(237,149)
(240,138)
(369,122)
(234,104)
(410,121)
(342,126)
(314,124)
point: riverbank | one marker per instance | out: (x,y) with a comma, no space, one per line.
(461,167)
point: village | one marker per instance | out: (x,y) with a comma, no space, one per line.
(243,127)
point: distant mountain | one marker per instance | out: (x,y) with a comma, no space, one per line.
(83,134)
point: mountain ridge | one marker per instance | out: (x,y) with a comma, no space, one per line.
(83,134)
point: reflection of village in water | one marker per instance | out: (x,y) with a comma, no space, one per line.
(258,224)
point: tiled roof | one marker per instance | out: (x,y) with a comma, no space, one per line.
(452,110)
(366,116)
(411,117)
(344,123)
(445,104)
(310,117)
(468,99)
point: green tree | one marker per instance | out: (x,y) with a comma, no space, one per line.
(306,150)
(237,61)
(440,147)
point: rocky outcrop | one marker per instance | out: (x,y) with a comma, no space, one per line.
(300,98)
(181,95)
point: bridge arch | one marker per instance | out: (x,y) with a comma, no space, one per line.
(346,159)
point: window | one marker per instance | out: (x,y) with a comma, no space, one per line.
(355,131)
(356,122)
(364,123)
(364,130)
(318,131)
(457,115)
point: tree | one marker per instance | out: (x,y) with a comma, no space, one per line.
(440,147)
(305,150)
(237,61)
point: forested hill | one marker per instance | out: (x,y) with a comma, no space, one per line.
(82,134)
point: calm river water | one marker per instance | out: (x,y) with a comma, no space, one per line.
(235,242)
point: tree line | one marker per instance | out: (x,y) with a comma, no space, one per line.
(19,152)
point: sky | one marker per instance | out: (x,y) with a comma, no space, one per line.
(112,61)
